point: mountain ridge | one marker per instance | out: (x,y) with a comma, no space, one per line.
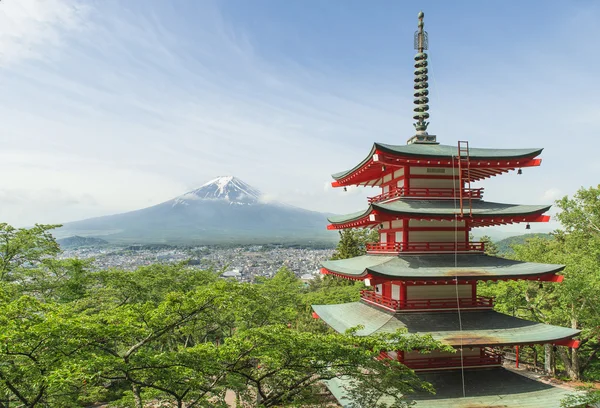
(505,245)
(229,188)
(223,210)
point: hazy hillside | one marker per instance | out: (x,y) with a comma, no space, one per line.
(223,211)
(504,245)
(77,241)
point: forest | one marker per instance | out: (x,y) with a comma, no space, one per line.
(176,336)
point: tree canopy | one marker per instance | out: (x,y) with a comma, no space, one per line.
(174,335)
(573,302)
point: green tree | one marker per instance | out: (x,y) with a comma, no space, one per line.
(142,325)
(491,248)
(353,242)
(24,247)
(587,397)
(173,335)
(571,303)
(60,280)
(38,352)
(276,365)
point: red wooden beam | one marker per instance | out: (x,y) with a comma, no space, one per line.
(325,271)
(450,280)
(540,218)
(572,343)
(552,278)
(391,159)
(371,170)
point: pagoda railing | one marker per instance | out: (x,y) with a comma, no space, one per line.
(397,247)
(429,193)
(488,358)
(424,304)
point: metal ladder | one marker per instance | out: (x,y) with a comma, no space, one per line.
(464,179)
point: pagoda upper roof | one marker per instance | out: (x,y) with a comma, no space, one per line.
(440,208)
(438,151)
(439,266)
(479,327)
(491,387)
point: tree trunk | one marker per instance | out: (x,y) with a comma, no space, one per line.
(258,397)
(535,356)
(574,372)
(137,396)
(549,359)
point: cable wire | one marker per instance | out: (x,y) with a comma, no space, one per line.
(462,362)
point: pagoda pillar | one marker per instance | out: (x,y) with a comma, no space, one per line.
(549,365)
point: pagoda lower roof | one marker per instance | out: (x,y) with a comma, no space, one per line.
(425,209)
(433,151)
(479,327)
(491,387)
(439,266)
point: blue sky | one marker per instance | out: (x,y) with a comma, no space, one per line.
(110,106)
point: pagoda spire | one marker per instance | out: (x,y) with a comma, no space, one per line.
(421,86)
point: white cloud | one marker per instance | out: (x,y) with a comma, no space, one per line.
(30,27)
(140,108)
(551,195)
(127,98)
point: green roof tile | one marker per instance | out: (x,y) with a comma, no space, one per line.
(484,388)
(446,151)
(442,151)
(445,208)
(436,266)
(479,327)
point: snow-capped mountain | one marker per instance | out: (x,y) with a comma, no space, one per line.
(224,210)
(227,188)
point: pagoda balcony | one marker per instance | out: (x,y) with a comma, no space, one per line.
(398,247)
(427,193)
(487,358)
(479,302)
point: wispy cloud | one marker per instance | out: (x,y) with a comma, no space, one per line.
(29,26)
(133,93)
(133,103)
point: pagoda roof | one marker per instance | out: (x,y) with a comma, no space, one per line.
(438,151)
(491,387)
(440,209)
(439,266)
(479,327)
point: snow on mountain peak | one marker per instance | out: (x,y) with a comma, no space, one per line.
(226,188)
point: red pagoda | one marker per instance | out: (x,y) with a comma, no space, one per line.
(422,275)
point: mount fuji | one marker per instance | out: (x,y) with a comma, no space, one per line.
(224,210)
(230,189)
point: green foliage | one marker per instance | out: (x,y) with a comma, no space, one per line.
(505,246)
(587,397)
(38,343)
(24,248)
(572,303)
(260,360)
(353,242)
(491,248)
(174,335)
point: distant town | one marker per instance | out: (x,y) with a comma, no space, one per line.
(241,263)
